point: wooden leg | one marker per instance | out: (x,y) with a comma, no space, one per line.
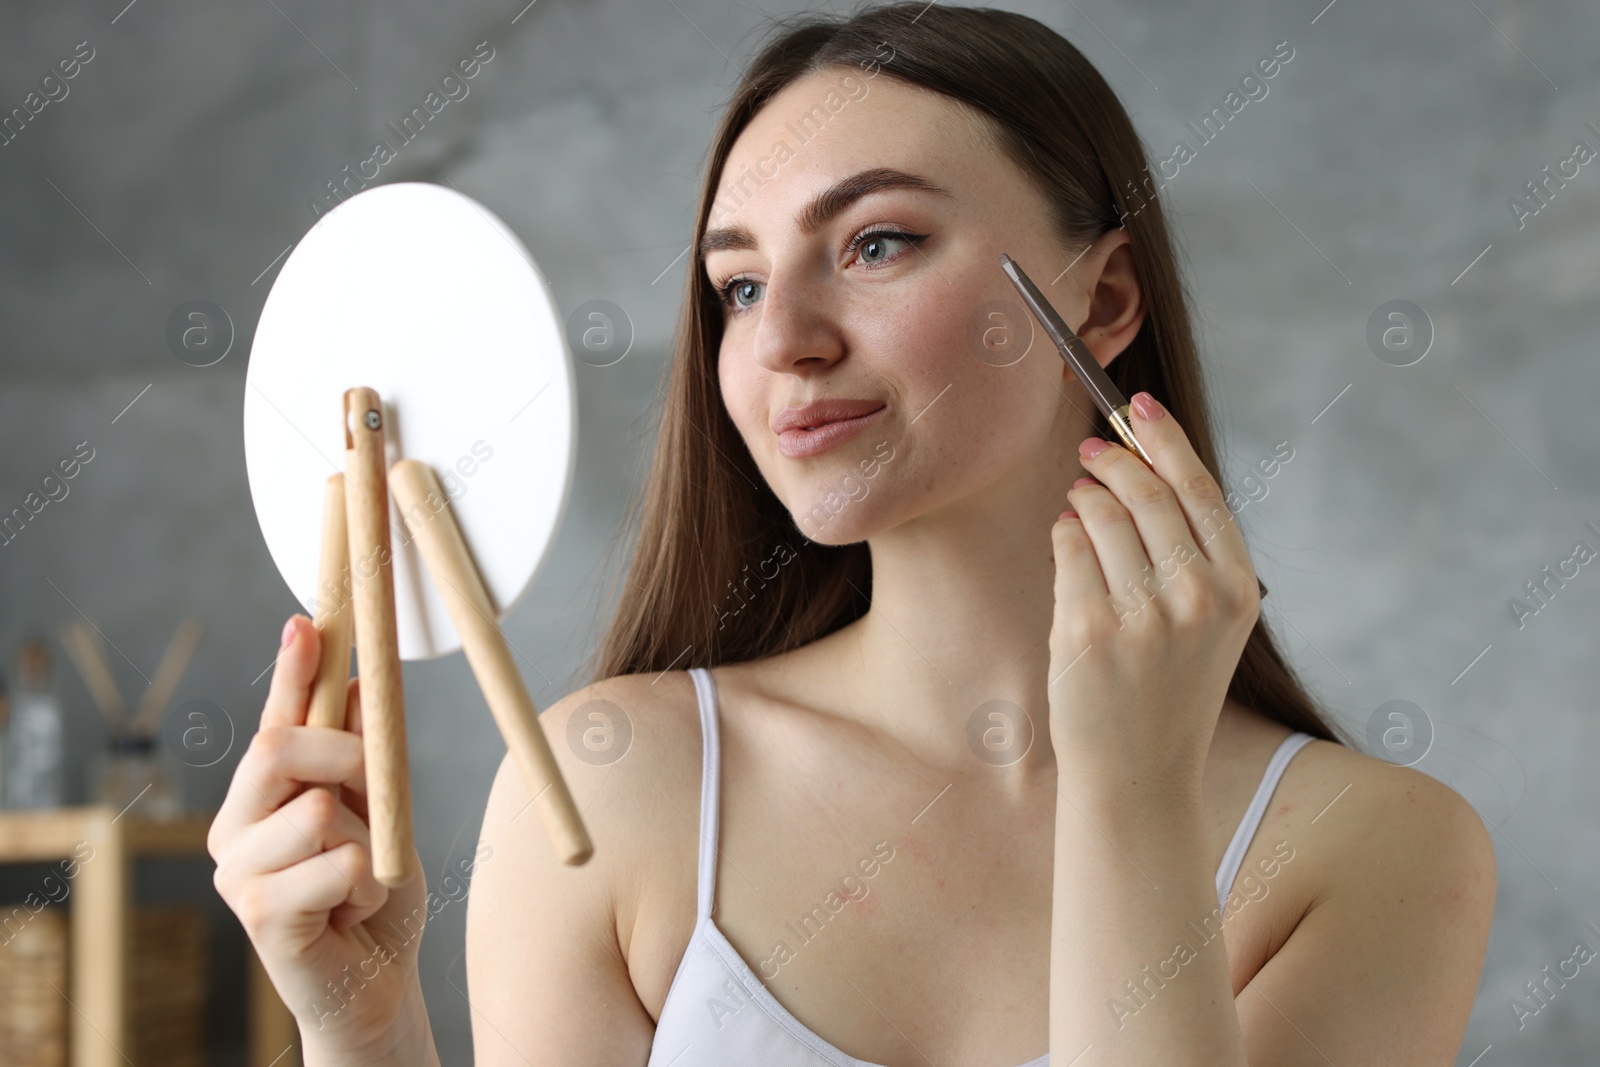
(383,709)
(274,1038)
(99,918)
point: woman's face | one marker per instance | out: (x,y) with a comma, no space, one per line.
(849,286)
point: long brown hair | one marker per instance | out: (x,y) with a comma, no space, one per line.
(720,573)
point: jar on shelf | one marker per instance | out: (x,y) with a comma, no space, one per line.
(133,770)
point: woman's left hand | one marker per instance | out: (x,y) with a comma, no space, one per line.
(1155,597)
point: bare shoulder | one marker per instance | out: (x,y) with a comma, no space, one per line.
(629,750)
(1381,822)
(547,943)
(1384,953)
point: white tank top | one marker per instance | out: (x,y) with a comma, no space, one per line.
(718,1011)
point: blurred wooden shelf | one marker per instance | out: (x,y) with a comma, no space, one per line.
(99,902)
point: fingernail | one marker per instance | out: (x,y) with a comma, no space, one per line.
(1066,515)
(1092,448)
(1148,407)
(1081,482)
(288,633)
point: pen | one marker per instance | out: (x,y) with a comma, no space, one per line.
(1106,396)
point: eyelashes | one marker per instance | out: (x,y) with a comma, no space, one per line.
(725,289)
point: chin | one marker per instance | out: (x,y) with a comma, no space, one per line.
(833,518)
(848,507)
(836,534)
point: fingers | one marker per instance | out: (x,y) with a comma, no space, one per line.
(349,914)
(1078,571)
(313,822)
(293,673)
(320,884)
(279,761)
(1134,520)
(1111,528)
(1214,532)
(1162,525)
(1174,509)
(308,858)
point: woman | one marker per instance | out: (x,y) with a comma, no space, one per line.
(963,776)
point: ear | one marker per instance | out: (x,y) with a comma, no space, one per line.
(1116,302)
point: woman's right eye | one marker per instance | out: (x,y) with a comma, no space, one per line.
(732,290)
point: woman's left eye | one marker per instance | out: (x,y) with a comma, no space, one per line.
(873,246)
(872,243)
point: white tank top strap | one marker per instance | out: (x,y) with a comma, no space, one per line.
(1234,856)
(710,765)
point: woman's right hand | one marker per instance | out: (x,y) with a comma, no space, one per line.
(294,862)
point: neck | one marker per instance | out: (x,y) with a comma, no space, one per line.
(962,603)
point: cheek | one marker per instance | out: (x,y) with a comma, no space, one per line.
(746,392)
(983,416)
(737,387)
(919,327)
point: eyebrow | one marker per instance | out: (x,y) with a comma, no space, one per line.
(827,204)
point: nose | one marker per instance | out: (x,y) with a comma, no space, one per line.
(796,332)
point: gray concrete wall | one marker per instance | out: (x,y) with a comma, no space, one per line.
(1419,501)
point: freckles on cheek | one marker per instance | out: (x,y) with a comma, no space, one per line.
(915,346)
(942,327)
(984,418)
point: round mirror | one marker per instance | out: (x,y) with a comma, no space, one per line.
(423,295)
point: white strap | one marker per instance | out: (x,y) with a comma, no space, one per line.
(1242,837)
(710,765)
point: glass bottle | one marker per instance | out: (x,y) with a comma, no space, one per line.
(34,742)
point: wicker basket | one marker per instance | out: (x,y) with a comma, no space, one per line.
(33,1017)
(167,973)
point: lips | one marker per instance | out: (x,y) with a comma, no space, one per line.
(822,424)
(821,412)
